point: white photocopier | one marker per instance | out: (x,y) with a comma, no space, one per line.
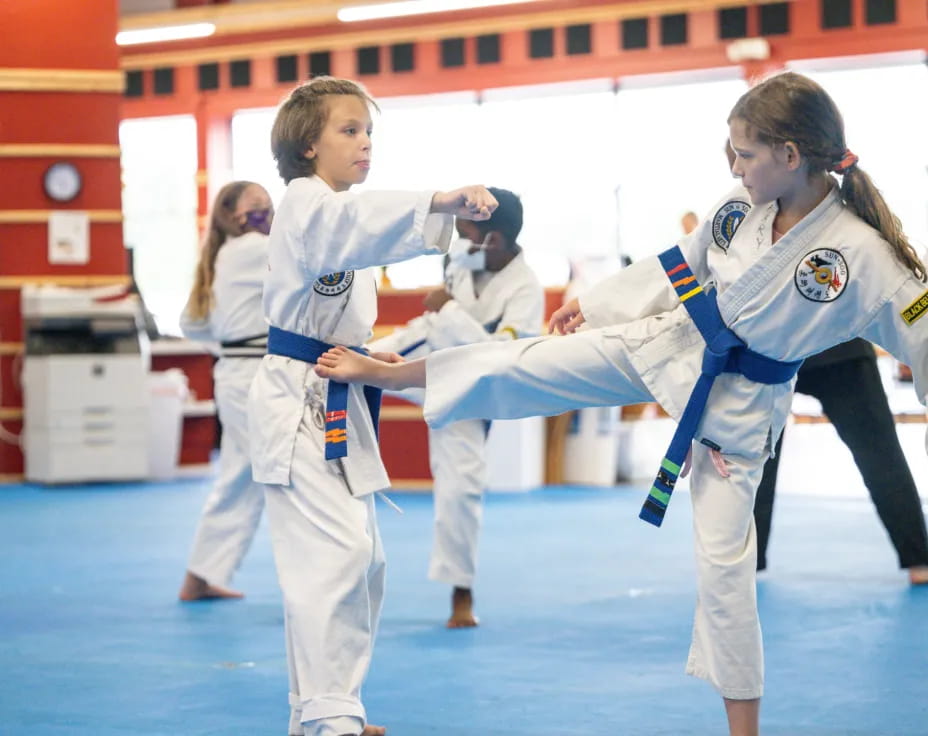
(85,385)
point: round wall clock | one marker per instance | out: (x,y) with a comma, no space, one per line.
(62,181)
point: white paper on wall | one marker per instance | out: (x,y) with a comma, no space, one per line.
(68,237)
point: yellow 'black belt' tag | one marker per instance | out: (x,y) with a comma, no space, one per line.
(915,310)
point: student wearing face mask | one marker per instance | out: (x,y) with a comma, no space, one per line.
(490,293)
(225,307)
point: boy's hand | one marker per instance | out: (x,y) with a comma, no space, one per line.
(388,357)
(468,203)
(436,299)
(566,319)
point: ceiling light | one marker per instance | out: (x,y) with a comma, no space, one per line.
(416,7)
(165,33)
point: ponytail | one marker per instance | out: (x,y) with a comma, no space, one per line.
(865,200)
(222,225)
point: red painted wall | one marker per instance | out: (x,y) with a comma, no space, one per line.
(64,38)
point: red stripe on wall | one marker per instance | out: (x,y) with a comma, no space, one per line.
(403,446)
(27,252)
(199,436)
(56,117)
(11,457)
(11,328)
(11,395)
(199,381)
(398,307)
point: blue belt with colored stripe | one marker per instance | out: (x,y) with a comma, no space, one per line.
(308,349)
(725,353)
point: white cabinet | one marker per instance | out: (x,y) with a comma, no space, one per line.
(85,389)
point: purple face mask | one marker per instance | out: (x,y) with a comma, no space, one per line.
(258,220)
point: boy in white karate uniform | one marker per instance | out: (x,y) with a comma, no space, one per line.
(490,294)
(314,442)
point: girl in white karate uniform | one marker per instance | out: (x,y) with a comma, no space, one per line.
(791,263)
(314,441)
(225,308)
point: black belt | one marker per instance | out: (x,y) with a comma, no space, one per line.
(246,347)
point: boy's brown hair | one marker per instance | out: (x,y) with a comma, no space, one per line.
(300,121)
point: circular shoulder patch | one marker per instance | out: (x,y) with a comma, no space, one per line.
(727,220)
(821,275)
(334,284)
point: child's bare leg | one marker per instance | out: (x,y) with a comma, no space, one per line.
(743,717)
(462,609)
(918,575)
(373,731)
(195,588)
(347,366)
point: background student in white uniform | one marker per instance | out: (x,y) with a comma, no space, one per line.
(225,308)
(314,442)
(490,294)
(789,265)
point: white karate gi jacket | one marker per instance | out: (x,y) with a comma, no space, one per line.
(236,314)
(770,297)
(510,306)
(315,286)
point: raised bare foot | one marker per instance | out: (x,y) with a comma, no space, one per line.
(462,610)
(195,588)
(346,366)
(918,575)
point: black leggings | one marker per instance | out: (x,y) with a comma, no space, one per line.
(853,398)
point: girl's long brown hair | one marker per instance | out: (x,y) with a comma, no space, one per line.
(222,226)
(791,107)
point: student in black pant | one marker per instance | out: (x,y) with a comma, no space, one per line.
(846,381)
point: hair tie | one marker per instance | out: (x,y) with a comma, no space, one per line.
(850,159)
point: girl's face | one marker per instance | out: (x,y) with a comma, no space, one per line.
(767,172)
(252,198)
(254,211)
(343,150)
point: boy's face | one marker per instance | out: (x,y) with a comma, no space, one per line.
(498,256)
(342,152)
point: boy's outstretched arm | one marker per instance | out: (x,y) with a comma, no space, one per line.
(346,366)
(468,203)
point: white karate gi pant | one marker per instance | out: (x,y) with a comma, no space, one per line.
(330,565)
(233,508)
(546,376)
(457,456)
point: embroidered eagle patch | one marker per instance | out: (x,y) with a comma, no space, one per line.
(821,275)
(334,284)
(915,310)
(727,220)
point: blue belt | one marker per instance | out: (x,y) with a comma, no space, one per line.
(308,349)
(725,353)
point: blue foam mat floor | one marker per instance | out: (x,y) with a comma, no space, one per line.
(585,623)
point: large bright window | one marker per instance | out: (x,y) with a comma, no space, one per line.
(556,146)
(603,174)
(159,199)
(251,150)
(671,159)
